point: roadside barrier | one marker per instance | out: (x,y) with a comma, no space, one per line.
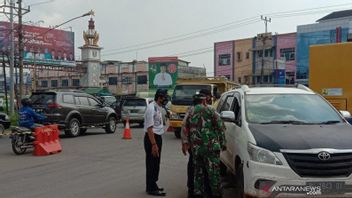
(127,131)
(47,140)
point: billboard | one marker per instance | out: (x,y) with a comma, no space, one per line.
(42,46)
(162,72)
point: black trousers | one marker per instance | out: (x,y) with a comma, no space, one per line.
(152,163)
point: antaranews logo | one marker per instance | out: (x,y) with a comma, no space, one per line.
(296,189)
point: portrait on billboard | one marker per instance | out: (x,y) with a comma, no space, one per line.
(162,79)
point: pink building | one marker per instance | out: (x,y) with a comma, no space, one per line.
(286,55)
(223,59)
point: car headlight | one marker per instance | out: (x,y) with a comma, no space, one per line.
(174,116)
(262,155)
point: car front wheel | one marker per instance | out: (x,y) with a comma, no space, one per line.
(73,129)
(110,127)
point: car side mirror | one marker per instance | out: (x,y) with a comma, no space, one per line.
(345,114)
(228,116)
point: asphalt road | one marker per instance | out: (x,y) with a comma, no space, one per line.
(96,165)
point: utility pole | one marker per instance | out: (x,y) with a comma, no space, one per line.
(21,45)
(12,56)
(9,10)
(264,38)
(135,76)
(5,84)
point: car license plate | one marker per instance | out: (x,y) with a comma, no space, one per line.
(329,187)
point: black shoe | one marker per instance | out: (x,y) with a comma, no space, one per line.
(156,193)
(160,189)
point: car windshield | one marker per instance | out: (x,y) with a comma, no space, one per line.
(43,98)
(183,94)
(135,102)
(289,109)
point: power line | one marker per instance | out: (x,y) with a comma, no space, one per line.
(182,39)
(275,14)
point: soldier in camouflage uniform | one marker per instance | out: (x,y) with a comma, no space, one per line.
(207,139)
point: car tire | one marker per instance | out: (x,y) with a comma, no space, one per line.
(2,130)
(223,169)
(73,128)
(240,180)
(110,127)
(177,133)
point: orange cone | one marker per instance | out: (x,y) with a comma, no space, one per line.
(127,131)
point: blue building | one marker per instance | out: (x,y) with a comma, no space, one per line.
(332,28)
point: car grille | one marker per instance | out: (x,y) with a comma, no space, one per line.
(309,165)
(182,115)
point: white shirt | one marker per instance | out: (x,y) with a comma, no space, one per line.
(153,118)
(162,79)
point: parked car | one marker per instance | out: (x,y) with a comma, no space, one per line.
(134,109)
(74,111)
(5,123)
(279,138)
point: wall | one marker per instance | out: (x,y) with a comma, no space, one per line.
(224,68)
(314,34)
(243,66)
(287,41)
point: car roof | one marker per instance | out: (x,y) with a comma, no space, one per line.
(276,90)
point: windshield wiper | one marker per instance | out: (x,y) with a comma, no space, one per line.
(285,122)
(329,122)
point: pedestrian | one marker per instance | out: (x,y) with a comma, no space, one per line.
(206,139)
(154,128)
(185,140)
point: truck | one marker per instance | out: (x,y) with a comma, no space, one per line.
(330,73)
(182,96)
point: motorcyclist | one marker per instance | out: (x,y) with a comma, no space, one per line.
(28,116)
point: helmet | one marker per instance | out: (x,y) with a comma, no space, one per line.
(26,102)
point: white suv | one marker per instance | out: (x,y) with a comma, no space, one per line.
(286,142)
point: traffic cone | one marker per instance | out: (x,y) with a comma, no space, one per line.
(127,131)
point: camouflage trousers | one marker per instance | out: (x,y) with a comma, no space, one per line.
(206,172)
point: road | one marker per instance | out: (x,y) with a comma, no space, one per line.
(94,165)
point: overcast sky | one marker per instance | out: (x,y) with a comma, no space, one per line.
(124,23)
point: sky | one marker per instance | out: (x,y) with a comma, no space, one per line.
(192,25)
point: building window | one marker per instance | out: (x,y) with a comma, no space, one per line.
(239,58)
(75,82)
(112,80)
(64,83)
(288,54)
(267,52)
(44,83)
(142,79)
(260,53)
(53,83)
(224,59)
(126,80)
(247,55)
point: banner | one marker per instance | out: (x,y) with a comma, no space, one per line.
(162,74)
(42,46)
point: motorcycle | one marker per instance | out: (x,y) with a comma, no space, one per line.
(21,139)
